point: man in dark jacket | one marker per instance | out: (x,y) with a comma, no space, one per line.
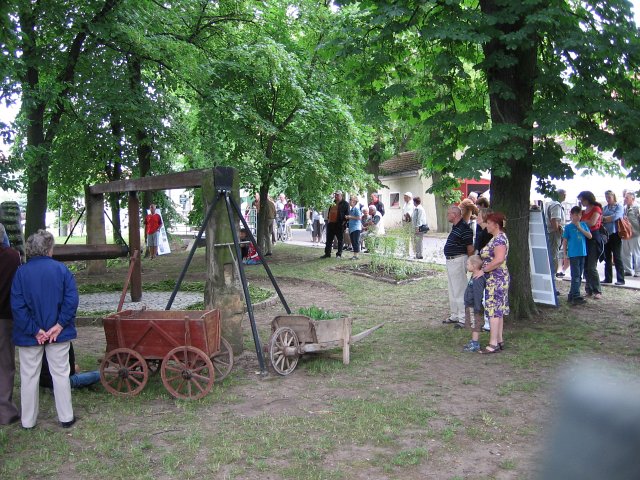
(9,263)
(336,224)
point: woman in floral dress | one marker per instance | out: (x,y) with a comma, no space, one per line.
(496,294)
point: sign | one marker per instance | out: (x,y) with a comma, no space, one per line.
(543,286)
(183,199)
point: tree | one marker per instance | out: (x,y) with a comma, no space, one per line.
(45,46)
(270,103)
(510,82)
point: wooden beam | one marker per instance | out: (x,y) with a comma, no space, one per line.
(88,252)
(189,179)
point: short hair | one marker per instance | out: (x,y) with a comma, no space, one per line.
(497,218)
(455,209)
(576,209)
(417,200)
(375,195)
(476,260)
(2,232)
(373,207)
(561,191)
(482,202)
(39,244)
(631,194)
(467,206)
(610,192)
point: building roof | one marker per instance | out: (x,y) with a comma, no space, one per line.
(403,162)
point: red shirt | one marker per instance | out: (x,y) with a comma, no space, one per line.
(153,222)
(587,214)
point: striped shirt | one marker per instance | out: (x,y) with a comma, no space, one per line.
(457,241)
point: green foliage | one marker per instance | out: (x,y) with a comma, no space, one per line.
(386,256)
(317,313)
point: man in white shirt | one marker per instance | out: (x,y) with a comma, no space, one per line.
(555,227)
(407,208)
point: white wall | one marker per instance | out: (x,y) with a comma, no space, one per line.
(407,183)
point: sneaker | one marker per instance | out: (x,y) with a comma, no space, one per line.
(619,283)
(471,347)
(354,258)
(459,325)
(325,256)
(338,255)
(577,301)
(559,274)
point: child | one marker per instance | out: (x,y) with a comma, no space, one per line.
(574,246)
(473,307)
(249,253)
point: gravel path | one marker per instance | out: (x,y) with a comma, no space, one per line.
(101,302)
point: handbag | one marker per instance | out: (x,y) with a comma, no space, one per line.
(604,234)
(423,228)
(625,230)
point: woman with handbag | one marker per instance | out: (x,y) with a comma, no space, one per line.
(592,216)
(419,222)
(611,213)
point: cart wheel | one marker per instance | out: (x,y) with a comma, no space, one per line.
(283,350)
(124,372)
(154,366)
(223,360)
(187,373)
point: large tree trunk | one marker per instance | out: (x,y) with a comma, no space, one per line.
(511,95)
(114,172)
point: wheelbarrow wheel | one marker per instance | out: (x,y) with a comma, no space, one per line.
(124,372)
(187,373)
(283,350)
(223,360)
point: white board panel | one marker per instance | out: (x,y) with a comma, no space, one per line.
(543,286)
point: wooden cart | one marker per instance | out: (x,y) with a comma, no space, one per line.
(185,346)
(295,335)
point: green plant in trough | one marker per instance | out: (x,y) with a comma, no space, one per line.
(317,313)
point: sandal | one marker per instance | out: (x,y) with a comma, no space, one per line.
(494,349)
(501,345)
(597,296)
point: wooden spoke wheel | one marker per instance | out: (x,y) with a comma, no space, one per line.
(223,360)
(124,372)
(187,373)
(283,350)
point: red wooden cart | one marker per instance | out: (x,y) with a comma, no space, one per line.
(186,346)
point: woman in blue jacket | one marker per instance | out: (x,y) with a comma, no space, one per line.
(44,300)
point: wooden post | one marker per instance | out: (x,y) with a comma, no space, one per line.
(95,229)
(346,340)
(134,244)
(223,288)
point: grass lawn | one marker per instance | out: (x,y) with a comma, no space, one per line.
(411,404)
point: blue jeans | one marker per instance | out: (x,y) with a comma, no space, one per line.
(577,268)
(84,379)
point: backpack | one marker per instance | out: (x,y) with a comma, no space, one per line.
(625,230)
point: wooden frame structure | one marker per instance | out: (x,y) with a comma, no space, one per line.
(94,194)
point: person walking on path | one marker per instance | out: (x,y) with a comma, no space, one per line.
(335,224)
(611,213)
(420,227)
(458,247)
(44,300)
(153,223)
(631,246)
(9,263)
(592,216)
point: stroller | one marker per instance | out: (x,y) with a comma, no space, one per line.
(284,233)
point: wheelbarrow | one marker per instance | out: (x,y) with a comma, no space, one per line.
(295,335)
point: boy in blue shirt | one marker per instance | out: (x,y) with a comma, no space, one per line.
(473,302)
(574,245)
